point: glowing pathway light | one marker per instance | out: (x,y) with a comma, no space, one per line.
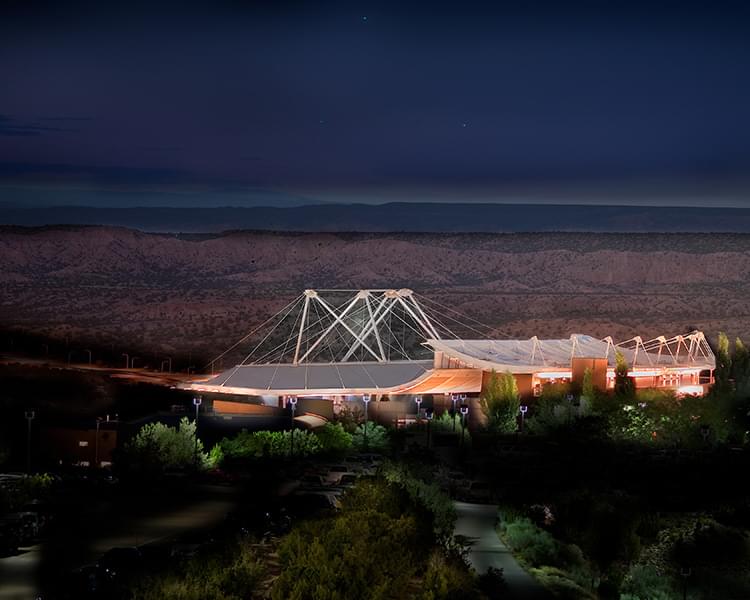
(429,413)
(464,414)
(366,399)
(454,399)
(29,414)
(292,402)
(524,409)
(197,401)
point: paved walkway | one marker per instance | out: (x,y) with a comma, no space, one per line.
(476,522)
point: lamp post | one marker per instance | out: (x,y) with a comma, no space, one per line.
(464,413)
(429,413)
(89,353)
(99,421)
(418,400)
(96,443)
(292,401)
(29,414)
(454,399)
(366,399)
(524,409)
(685,573)
(127,359)
(197,400)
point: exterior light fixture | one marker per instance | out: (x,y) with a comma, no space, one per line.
(197,401)
(454,399)
(366,400)
(292,402)
(524,409)
(464,413)
(429,414)
(29,415)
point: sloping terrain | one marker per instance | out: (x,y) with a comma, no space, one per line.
(152,294)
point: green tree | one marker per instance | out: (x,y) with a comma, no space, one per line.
(723,372)
(350,416)
(588,390)
(741,369)
(624,385)
(500,402)
(444,422)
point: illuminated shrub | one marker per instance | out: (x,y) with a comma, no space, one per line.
(334,438)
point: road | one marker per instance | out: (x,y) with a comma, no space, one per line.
(21,575)
(476,523)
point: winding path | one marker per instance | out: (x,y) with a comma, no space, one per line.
(476,523)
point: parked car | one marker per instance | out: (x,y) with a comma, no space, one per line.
(305,503)
(9,538)
(347,479)
(25,524)
(312,481)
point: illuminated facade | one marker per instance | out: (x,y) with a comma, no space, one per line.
(349,349)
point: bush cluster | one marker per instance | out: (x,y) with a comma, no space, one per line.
(234,574)
(380,545)
(158,447)
(332,438)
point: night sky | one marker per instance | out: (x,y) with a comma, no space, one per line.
(231,103)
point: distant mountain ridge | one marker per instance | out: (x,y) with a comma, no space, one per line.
(396,217)
(141,291)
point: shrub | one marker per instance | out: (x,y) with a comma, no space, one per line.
(371,549)
(377,438)
(445,423)
(446,577)
(158,447)
(233,575)
(644,582)
(215,457)
(334,438)
(535,546)
(428,494)
(562,586)
(270,443)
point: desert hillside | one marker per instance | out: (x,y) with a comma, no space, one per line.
(153,293)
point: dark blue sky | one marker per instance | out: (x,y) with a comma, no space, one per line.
(230,103)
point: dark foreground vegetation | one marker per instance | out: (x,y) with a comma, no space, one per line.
(627,495)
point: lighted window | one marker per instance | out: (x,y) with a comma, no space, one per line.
(83,443)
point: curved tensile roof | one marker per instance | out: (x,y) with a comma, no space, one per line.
(527,356)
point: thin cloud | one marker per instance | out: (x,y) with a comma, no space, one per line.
(14,128)
(65,119)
